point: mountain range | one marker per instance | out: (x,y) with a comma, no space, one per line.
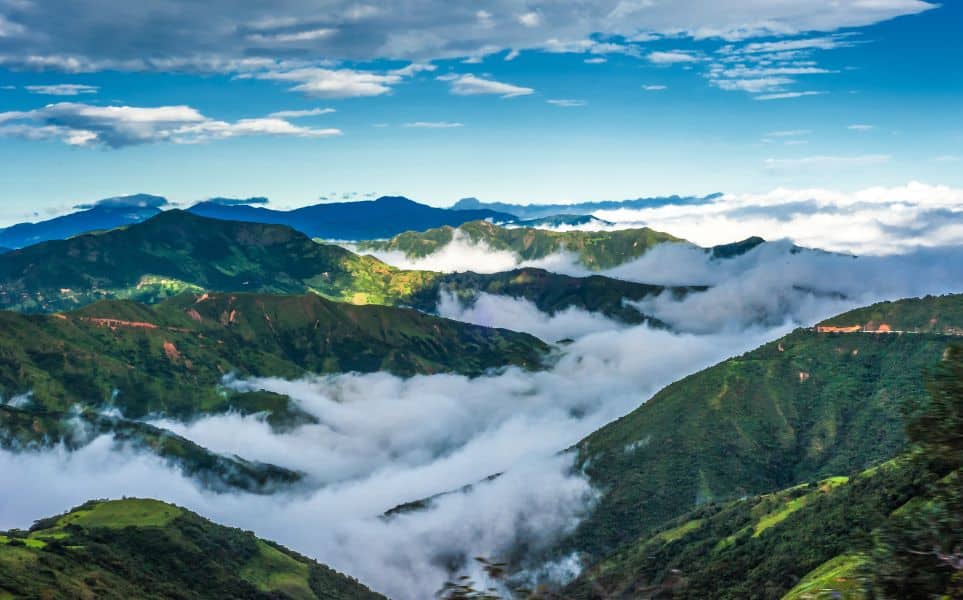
(594,250)
(177,251)
(538,211)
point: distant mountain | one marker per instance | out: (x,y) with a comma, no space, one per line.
(537,211)
(4,250)
(105,214)
(178,252)
(596,250)
(381,218)
(138,548)
(810,405)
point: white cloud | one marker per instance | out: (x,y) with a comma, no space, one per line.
(877,220)
(597,60)
(530,19)
(297,114)
(672,57)
(860,127)
(62,89)
(470,85)
(434,124)
(567,102)
(754,86)
(651,87)
(787,95)
(117,126)
(334,83)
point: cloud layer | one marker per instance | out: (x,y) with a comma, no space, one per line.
(221,35)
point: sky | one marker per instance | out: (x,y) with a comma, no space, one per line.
(504,100)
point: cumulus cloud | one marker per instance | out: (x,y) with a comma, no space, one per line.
(471,85)
(672,57)
(320,82)
(62,89)
(118,126)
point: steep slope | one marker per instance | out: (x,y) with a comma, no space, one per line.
(381,218)
(810,405)
(105,214)
(892,531)
(811,537)
(135,548)
(176,252)
(170,358)
(595,249)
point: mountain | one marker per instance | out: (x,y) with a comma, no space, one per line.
(809,539)
(810,405)
(381,218)
(169,359)
(551,292)
(596,250)
(537,211)
(138,548)
(894,530)
(178,252)
(105,214)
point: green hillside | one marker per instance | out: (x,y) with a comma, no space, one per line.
(132,548)
(894,530)
(170,358)
(808,406)
(177,252)
(813,536)
(933,314)
(596,250)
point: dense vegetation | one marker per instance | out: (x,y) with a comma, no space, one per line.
(131,548)
(170,358)
(177,252)
(596,250)
(807,406)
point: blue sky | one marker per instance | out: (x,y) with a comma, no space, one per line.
(509,100)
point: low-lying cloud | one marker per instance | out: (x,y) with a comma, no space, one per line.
(382,441)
